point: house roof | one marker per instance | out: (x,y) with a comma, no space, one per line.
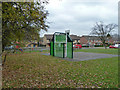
(75,37)
(91,37)
(48,36)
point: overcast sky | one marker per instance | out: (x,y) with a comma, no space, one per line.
(79,16)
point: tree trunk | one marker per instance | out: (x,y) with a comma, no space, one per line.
(3,47)
(104,45)
(4,59)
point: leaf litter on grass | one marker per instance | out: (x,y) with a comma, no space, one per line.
(35,70)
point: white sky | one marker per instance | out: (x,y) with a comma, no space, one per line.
(79,16)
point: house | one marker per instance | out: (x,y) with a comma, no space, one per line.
(48,37)
(87,40)
(75,38)
(41,42)
(33,43)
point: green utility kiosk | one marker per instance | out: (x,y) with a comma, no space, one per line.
(61,45)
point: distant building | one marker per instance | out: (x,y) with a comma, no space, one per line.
(94,40)
(41,40)
(90,40)
(84,40)
(32,43)
(48,37)
(75,38)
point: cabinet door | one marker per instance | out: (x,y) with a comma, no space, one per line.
(70,49)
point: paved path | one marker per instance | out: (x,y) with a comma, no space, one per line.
(82,56)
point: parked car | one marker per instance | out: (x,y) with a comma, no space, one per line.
(115,46)
(77,46)
(111,46)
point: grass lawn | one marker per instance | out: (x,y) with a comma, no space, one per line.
(33,70)
(106,51)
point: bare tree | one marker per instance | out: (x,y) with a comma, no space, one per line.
(103,31)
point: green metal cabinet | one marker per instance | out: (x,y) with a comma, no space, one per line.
(61,45)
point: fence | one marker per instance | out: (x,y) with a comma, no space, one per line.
(30,49)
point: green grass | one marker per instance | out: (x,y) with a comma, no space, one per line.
(33,70)
(106,51)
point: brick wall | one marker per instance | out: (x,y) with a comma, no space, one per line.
(83,40)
